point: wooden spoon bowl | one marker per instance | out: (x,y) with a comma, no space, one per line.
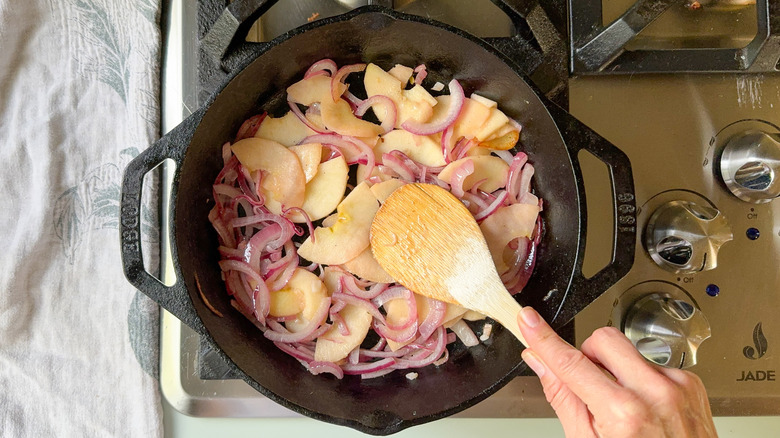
(427,240)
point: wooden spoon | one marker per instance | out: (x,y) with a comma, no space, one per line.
(427,240)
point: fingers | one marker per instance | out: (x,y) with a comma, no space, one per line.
(611,349)
(571,411)
(571,366)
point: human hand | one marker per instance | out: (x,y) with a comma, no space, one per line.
(609,390)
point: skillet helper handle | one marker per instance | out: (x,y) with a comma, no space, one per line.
(175,298)
(579,137)
(228,34)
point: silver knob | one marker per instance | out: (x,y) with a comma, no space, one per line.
(750,164)
(684,237)
(666,330)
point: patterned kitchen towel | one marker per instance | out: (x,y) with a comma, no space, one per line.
(79,87)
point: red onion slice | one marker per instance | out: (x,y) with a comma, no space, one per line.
(323,65)
(421,73)
(390,110)
(456,104)
(338,78)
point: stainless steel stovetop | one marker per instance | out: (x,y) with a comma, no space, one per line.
(720,321)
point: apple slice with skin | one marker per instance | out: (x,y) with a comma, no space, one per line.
(420,148)
(506,224)
(283,181)
(490,168)
(325,191)
(366,267)
(287,130)
(310,155)
(349,236)
(334,346)
(311,290)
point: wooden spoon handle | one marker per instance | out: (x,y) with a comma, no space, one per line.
(506,310)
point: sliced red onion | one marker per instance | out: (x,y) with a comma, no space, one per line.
(318,367)
(399,293)
(391,112)
(459,175)
(293,350)
(421,73)
(354,101)
(364,304)
(305,120)
(513,177)
(368,367)
(250,126)
(456,104)
(435,317)
(501,198)
(262,301)
(327,65)
(341,74)
(464,333)
(506,156)
(397,165)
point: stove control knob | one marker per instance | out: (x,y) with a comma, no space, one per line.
(684,237)
(666,330)
(750,166)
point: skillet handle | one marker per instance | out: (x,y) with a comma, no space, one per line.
(231,28)
(175,298)
(579,137)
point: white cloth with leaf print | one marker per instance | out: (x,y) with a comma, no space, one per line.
(79,87)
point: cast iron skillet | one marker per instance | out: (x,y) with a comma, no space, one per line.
(551,137)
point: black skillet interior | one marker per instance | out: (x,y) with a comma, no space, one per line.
(391,403)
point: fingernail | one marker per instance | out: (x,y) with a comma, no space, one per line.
(530,317)
(533,361)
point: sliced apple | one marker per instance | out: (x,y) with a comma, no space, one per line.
(401,72)
(420,148)
(310,155)
(325,191)
(503,142)
(383,189)
(349,236)
(338,117)
(311,90)
(473,315)
(362,173)
(484,100)
(287,130)
(309,291)
(415,103)
(496,120)
(471,119)
(334,346)
(506,224)
(283,181)
(286,302)
(366,267)
(331,277)
(490,168)
(397,314)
